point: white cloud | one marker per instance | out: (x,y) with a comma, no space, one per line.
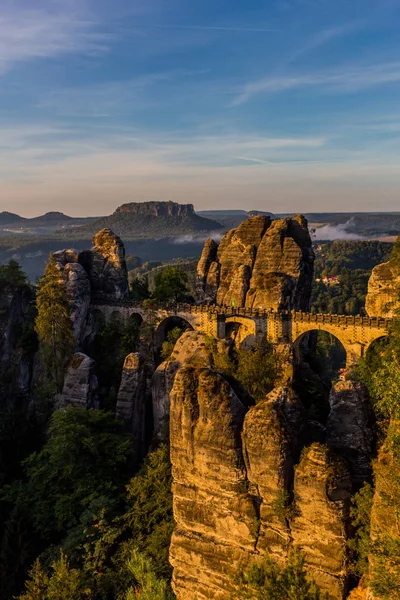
(343,80)
(51,30)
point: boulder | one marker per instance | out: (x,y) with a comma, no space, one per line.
(322,491)
(80,383)
(351,427)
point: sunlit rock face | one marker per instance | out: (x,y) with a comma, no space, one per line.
(272,436)
(216,524)
(383,298)
(260,264)
(322,491)
(106,266)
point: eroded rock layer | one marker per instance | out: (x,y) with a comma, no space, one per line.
(260,264)
(322,491)
(214,514)
(80,384)
(384,290)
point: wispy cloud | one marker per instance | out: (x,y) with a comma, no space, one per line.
(215,28)
(29,33)
(344,80)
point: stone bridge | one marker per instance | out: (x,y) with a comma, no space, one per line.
(247,326)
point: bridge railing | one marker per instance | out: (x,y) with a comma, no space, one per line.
(227,311)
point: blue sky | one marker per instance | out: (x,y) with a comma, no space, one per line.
(281,105)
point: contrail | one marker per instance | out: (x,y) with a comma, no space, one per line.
(211,28)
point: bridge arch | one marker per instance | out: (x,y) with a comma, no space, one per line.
(167,325)
(243,330)
(337,351)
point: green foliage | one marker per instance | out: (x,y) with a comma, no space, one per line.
(63,583)
(360,513)
(169,344)
(110,347)
(53,324)
(170,285)
(139,289)
(11,275)
(147,586)
(395,255)
(149,514)
(380,371)
(385,546)
(87,456)
(353,262)
(267,581)
(257,369)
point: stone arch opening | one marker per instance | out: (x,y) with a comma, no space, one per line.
(242,331)
(319,361)
(135,319)
(167,326)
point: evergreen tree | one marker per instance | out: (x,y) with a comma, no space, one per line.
(170,285)
(53,324)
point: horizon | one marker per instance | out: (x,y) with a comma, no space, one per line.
(290,107)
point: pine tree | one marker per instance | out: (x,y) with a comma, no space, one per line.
(36,584)
(53,324)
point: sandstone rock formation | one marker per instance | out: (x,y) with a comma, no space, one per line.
(260,264)
(383,298)
(101,270)
(272,437)
(78,290)
(215,517)
(80,383)
(191,348)
(322,490)
(132,400)
(105,265)
(351,427)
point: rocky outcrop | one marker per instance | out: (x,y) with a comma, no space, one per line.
(322,490)
(106,266)
(80,383)
(132,400)
(383,298)
(260,264)
(215,517)
(351,427)
(191,348)
(207,284)
(272,435)
(78,290)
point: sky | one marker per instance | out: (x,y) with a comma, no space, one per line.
(276,105)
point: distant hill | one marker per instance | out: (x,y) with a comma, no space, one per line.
(7,217)
(51,218)
(152,219)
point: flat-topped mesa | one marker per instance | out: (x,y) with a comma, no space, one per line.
(263,263)
(157,209)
